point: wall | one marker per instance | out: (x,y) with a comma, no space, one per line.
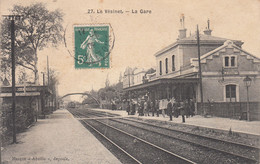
(183,54)
(215,62)
(237,110)
(191,51)
(214,88)
(138,77)
(168,54)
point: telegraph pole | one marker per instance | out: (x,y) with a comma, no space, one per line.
(200,76)
(13,79)
(48,71)
(48,76)
(43,78)
(12,29)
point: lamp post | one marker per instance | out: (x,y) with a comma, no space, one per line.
(247,81)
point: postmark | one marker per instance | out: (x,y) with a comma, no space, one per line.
(93,45)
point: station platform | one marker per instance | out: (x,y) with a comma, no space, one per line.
(58,139)
(216,123)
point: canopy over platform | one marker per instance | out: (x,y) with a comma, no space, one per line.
(165,81)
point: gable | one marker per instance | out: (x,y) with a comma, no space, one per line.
(231,59)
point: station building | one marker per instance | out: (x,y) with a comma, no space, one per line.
(31,103)
(224,67)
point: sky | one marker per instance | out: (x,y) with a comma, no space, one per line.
(139,36)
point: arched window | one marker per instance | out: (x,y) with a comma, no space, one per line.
(173,63)
(166,65)
(160,65)
(231,95)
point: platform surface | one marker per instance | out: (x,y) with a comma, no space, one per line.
(60,138)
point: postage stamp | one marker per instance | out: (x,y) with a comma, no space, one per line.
(92,46)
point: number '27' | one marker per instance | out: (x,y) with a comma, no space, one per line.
(90,11)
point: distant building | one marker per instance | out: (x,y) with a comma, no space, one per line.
(224,65)
(137,76)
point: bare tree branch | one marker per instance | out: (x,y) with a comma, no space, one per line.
(25,66)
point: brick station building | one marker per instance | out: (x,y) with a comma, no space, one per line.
(224,66)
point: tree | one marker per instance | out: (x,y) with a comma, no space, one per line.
(37,29)
(53,82)
(22,78)
(102,93)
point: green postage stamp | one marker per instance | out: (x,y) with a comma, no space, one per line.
(92,46)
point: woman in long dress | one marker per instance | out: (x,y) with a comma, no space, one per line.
(89,43)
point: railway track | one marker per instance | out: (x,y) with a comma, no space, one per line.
(141,151)
(232,152)
(248,154)
(91,113)
(253,148)
(75,113)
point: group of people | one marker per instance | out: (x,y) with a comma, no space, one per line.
(170,107)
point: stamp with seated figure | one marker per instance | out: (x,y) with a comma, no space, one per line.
(93,45)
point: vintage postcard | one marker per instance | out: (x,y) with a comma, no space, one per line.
(140,81)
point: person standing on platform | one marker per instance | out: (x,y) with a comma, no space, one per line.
(145,108)
(157,107)
(133,109)
(187,108)
(148,106)
(192,107)
(142,108)
(182,111)
(128,107)
(161,106)
(169,109)
(175,108)
(152,107)
(139,107)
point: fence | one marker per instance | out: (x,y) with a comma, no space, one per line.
(235,110)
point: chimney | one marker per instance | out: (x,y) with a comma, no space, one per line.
(182,31)
(207,31)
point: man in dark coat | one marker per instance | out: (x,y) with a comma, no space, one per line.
(182,111)
(157,107)
(192,107)
(152,108)
(169,109)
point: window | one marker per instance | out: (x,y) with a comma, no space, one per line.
(166,65)
(160,65)
(231,93)
(173,63)
(230,61)
(226,61)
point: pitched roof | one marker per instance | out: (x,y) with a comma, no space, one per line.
(204,39)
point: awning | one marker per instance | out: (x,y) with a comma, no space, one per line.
(165,81)
(26,94)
